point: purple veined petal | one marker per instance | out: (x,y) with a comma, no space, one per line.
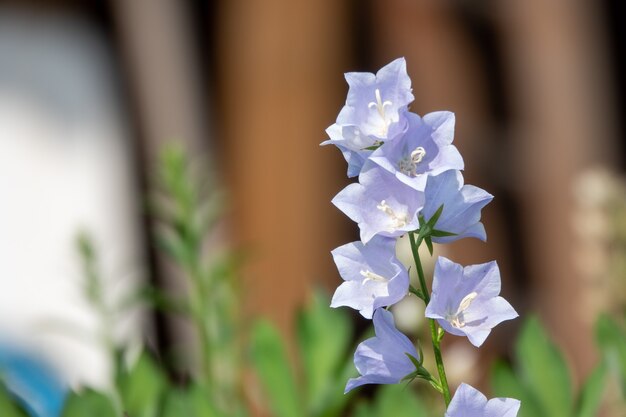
(382,359)
(380,204)
(373,276)
(462,206)
(466,301)
(469,402)
(377,103)
(423,150)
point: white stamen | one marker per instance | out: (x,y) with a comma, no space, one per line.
(379,104)
(398,221)
(457,319)
(408,164)
(372,276)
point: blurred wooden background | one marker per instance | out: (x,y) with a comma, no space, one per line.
(535,86)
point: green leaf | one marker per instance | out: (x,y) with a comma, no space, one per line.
(373,147)
(505,383)
(338,400)
(8,407)
(591,393)
(429,245)
(612,341)
(272,367)
(141,388)
(191,402)
(441,233)
(544,370)
(89,403)
(433,220)
(324,336)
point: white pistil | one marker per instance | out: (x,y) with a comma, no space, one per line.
(372,276)
(457,319)
(398,221)
(379,105)
(408,164)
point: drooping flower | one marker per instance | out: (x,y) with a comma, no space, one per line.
(424,149)
(380,204)
(466,301)
(352,144)
(461,206)
(383,359)
(373,276)
(469,402)
(376,104)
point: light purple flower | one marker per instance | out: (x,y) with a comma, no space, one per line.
(424,149)
(469,402)
(466,302)
(382,359)
(373,276)
(461,206)
(352,144)
(380,204)
(376,103)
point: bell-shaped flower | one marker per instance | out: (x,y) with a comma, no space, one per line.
(373,276)
(469,402)
(377,104)
(380,204)
(424,149)
(352,144)
(466,301)
(461,206)
(383,359)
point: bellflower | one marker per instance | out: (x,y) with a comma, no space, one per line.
(424,149)
(352,144)
(377,103)
(469,402)
(380,204)
(373,276)
(466,302)
(461,206)
(382,359)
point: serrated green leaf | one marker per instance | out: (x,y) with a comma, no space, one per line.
(504,383)
(591,392)
(270,362)
(544,370)
(89,403)
(324,336)
(142,387)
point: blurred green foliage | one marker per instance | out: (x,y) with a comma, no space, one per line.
(541,379)
(315,386)
(309,383)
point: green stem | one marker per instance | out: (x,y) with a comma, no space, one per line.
(199,317)
(439,360)
(433,326)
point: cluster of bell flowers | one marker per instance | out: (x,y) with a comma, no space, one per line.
(410,181)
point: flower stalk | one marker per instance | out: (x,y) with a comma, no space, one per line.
(434,332)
